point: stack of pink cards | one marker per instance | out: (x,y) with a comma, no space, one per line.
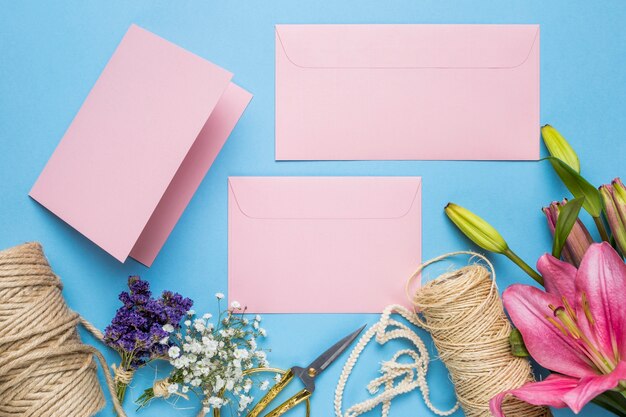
(140,145)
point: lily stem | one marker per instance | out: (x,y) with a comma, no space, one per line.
(525,267)
(609,406)
(600,225)
(613,401)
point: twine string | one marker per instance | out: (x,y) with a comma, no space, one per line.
(463,312)
(121,375)
(160,390)
(45,369)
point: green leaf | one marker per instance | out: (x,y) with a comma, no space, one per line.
(578,186)
(612,401)
(568,214)
(517,344)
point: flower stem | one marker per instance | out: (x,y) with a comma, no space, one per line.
(145,398)
(525,267)
(123,375)
(600,225)
(615,402)
(121,392)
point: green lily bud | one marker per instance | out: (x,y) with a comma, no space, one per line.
(476,229)
(614,198)
(559,148)
(486,236)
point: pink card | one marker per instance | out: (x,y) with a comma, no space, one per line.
(140,145)
(322,244)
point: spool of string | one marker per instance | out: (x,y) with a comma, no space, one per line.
(463,312)
(45,369)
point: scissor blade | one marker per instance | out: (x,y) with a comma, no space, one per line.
(328,357)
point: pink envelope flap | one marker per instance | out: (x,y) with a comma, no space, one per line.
(344,198)
(407,46)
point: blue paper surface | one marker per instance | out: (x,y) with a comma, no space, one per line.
(52,53)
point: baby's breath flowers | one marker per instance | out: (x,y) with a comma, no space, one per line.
(210,359)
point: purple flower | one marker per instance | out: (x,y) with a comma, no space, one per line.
(136,331)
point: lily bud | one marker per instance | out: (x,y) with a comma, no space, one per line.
(552,213)
(614,198)
(476,229)
(619,195)
(484,235)
(578,240)
(559,148)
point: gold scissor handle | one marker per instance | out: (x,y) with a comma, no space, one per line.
(271,394)
(289,404)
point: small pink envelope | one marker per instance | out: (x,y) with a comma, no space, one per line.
(322,244)
(140,145)
(350,92)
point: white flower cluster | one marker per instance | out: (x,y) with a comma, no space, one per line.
(211,359)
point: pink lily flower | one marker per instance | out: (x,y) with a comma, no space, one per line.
(576,329)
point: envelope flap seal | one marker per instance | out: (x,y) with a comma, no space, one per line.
(407,46)
(324,197)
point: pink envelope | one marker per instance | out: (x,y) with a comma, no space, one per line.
(350,92)
(140,145)
(322,244)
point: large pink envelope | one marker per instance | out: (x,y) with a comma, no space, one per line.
(140,145)
(350,92)
(322,244)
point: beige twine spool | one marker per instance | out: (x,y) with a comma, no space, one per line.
(463,312)
(45,369)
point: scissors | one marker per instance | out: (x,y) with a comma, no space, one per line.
(306,376)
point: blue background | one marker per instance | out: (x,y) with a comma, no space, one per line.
(51,53)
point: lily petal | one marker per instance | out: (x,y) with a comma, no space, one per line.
(528,308)
(590,387)
(548,392)
(559,277)
(601,278)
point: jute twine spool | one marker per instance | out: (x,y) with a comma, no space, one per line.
(463,312)
(45,369)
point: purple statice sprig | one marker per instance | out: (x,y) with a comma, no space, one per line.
(139,329)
